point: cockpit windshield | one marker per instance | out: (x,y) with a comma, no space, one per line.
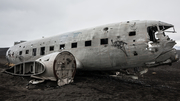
(151,31)
(154,30)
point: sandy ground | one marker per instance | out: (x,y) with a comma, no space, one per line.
(162,86)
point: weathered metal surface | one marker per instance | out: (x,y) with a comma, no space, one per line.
(26,69)
(124,45)
(64,68)
(59,65)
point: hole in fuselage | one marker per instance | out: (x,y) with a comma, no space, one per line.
(106,29)
(151,31)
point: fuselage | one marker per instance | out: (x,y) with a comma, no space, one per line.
(108,47)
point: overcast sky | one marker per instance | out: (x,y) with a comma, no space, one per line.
(33,19)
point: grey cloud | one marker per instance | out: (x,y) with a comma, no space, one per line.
(32,19)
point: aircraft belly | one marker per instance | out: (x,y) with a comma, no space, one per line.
(118,59)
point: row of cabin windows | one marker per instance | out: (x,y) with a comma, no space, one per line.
(73,45)
(62,46)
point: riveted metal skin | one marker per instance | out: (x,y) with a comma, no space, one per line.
(112,47)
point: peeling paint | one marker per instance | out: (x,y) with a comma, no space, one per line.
(119,45)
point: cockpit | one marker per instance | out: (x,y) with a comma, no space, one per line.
(158,40)
(158,32)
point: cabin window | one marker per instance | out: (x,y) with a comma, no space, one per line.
(51,48)
(42,51)
(135,53)
(132,33)
(62,46)
(88,43)
(34,52)
(27,51)
(20,52)
(104,41)
(74,45)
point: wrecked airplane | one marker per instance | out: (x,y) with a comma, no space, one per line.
(129,48)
